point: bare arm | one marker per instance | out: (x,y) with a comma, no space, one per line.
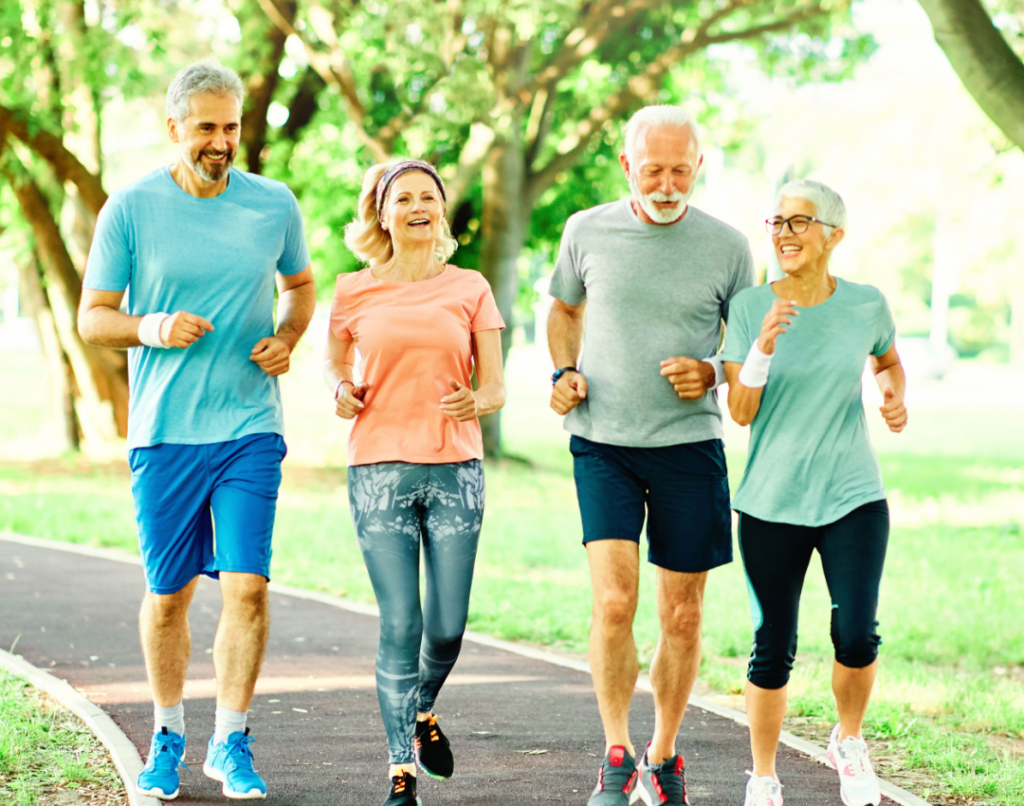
(465,404)
(565,340)
(892,382)
(743,402)
(339,373)
(295,304)
(101,322)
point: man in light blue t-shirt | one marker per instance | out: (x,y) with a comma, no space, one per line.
(198,248)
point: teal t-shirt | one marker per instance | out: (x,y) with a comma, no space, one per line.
(810,460)
(216,258)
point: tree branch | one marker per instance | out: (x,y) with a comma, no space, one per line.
(989,69)
(472,157)
(65,164)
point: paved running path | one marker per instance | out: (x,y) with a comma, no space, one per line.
(319,736)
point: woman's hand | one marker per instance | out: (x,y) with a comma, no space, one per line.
(461,404)
(350,400)
(774,323)
(893,411)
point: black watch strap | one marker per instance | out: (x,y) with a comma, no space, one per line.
(558,373)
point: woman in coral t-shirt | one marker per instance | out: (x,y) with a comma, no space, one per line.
(415,473)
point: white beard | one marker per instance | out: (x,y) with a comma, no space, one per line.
(646,202)
(216,174)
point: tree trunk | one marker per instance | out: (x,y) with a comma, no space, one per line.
(503,233)
(58,366)
(987,66)
(101,374)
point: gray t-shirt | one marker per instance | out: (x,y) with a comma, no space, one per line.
(810,460)
(652,292)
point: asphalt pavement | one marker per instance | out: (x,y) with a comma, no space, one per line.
(523,731)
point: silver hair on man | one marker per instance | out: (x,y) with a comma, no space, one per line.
(660,115)
(197,79)
(828,205)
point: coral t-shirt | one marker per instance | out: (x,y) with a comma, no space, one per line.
(412,339)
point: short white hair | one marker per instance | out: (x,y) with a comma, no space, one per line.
(198,79)
(828,205)
(658,115)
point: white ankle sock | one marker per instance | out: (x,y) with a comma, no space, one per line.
(172,718)
(227,722)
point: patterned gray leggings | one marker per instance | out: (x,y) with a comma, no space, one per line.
(396,506)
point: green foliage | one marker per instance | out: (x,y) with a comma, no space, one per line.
(44,750)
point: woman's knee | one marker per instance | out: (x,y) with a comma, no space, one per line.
(402,632)
(771,660)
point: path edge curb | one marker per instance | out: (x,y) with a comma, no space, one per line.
(123,752)
(819,754)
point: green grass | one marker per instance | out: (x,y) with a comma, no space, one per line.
(44,751)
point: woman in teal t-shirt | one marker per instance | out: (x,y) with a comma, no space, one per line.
(795,353)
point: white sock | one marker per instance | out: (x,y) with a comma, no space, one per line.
(227,722)
(172,718)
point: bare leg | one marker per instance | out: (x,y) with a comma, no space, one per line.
(852,688)
(241,638)
(166,642)
(615,577)
(677,656)
(766,708)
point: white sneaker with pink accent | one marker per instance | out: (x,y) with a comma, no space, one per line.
(763,790)
(858,784)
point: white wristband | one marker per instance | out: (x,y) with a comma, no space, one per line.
(754,372)
(149,329)
(716,362)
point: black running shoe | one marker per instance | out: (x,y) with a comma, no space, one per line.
(615,779)
(663,783)
(433,751)
(403,791)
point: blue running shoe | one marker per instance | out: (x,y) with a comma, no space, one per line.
(230,763)
(159,778)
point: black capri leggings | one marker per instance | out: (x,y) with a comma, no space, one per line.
(775,558)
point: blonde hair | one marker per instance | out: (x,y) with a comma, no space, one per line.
(369,241)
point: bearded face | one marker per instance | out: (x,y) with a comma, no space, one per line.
(208,137)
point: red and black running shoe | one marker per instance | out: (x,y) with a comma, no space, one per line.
(433,751)
(615,779)
(661,784)
(403,791)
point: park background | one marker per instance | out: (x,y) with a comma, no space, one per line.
(521,104)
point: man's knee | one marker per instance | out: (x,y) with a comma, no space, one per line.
(682,620)
(244,591)
(164,610)
(615,607)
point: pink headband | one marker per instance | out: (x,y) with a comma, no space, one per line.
(404,167)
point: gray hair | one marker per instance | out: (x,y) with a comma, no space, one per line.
(198,79)
(660,115)
(828,205)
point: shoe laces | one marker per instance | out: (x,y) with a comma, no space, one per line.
(669,780)
(759,790)
(854,753)
(166,746)
(399,783)
(238,749)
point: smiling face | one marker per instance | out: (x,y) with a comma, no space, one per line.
(413,210)
(809,251)
(208,138)
(662,172)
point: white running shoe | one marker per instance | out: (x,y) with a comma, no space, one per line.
(763,791)
(858,784)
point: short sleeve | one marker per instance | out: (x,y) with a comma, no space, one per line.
(295,256)
(885,331)
(739,333)
(486,315)
(109,267)
(567,280)
(339,314)
(743,277)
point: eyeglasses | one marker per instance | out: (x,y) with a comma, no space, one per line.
(798,224)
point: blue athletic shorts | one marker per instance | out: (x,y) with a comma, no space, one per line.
(682,490)
(202,509)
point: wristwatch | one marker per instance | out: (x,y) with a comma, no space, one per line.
(558,373)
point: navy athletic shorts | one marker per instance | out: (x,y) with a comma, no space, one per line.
(181,491)
(682,490)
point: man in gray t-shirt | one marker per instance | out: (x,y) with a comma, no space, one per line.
(652,279)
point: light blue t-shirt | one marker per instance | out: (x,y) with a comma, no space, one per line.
(215,258)
(810,460)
